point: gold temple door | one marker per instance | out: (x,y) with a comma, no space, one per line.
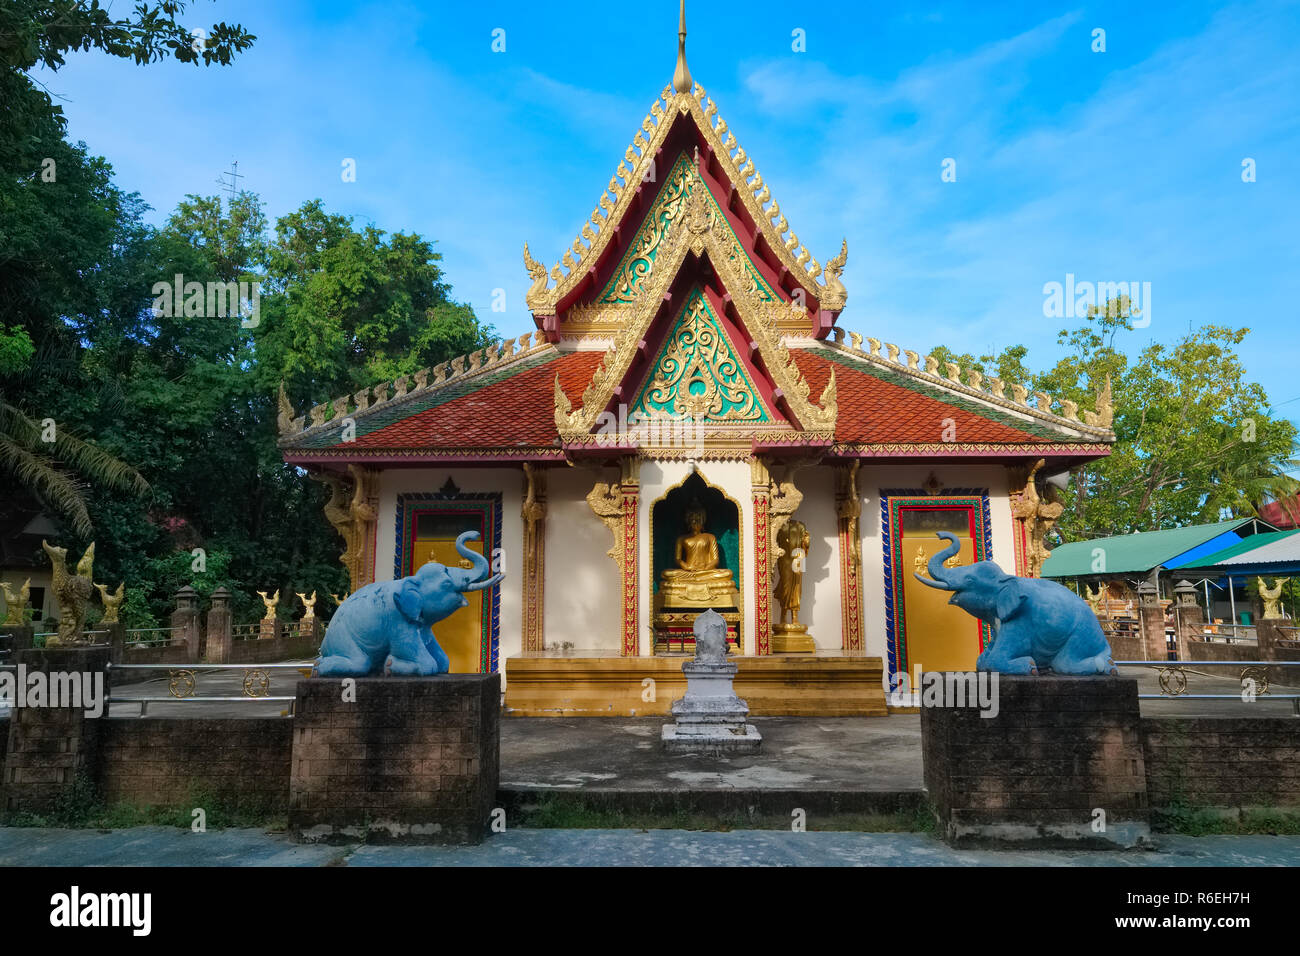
(939,635)
(461,634)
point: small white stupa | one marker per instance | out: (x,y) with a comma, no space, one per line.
(710,718)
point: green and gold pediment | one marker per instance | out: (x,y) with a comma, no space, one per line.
(638,264)
(697,373)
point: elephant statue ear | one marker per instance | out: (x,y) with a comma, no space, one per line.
(1011,599)
(407,599)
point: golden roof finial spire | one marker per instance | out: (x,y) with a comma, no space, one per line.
(682,75)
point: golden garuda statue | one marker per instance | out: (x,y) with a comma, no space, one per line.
(74,593)
(112,602)
(16,603)
(1272,598)
(270,603)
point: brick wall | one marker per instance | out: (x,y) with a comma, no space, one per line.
(1058,749)
(403,760)
(274,650)
(166,761)
(1224,762)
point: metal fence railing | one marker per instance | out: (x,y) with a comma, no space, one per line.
(1173,680)
(183,684)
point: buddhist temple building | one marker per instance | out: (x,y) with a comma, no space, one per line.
(694,425)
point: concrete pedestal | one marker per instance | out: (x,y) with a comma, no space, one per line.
(1061,764)
(710,718)
(411,760)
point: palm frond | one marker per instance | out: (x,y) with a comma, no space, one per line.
(42,477)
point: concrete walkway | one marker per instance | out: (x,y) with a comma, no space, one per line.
(161,846)
(798,753)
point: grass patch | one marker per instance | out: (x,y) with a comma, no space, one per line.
(1187,820)
(81,807)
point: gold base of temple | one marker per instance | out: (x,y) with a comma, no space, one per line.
(589,684)
(788,640)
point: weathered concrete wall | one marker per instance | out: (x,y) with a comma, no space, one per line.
(1058,751)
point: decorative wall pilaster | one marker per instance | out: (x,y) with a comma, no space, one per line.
(616,505)
(762,557)
(1035,516)
(352,510)
(848,509)
(631,579)
(534,565)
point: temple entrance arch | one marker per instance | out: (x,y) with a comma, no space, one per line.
(696,563)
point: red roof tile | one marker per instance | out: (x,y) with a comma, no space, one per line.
(874,410)
(515,411)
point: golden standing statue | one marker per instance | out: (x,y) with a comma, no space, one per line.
(795,541)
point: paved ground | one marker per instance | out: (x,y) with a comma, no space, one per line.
(798,753)
(159,846)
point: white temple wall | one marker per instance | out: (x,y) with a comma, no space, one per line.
(821,609)
(584,589)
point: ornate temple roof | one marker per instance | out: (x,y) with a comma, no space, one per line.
(682,296)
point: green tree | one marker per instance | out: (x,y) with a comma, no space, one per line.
(1196,441)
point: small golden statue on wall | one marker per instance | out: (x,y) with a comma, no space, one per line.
(112,602)
(697,581)
(1272,598)
(309,603)
(791,636)
(15,604)
(74,592)
(270,603)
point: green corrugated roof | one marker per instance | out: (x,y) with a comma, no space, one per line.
(1256,542)
(1130,553)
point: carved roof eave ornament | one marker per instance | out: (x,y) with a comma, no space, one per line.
(405,388)
(1095,426)
(623,185)
(694,234)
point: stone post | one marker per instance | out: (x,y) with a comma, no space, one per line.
(1152,619)
(1189,617)
(186,621)
(54,742)
(220,624)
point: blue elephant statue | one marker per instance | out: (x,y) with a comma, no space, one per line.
(1036,623)
(387,626)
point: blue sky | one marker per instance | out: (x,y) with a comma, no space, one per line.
(1115,166)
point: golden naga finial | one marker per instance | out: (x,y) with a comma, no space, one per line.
(536,293)
(682,75)
(1104,416)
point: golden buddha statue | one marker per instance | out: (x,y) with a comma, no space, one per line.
(697,581)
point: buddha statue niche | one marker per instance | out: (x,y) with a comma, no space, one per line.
(696,581)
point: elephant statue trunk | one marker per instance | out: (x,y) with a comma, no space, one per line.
(938,572)
(475,578)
